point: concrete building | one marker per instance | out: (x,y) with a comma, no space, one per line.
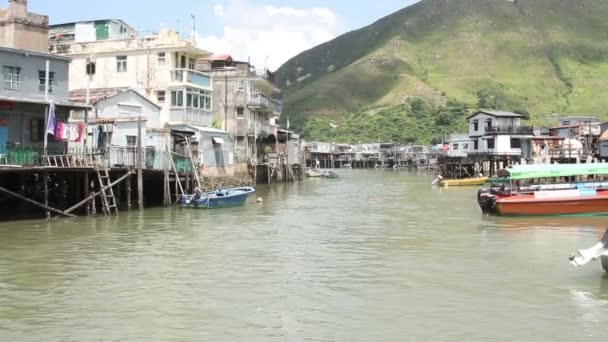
(212,149)
(459,145)
(113,124)
(20,29)
(245,103)
(161,66)
(498,133)
(62,35)
(578,120)
(24,104)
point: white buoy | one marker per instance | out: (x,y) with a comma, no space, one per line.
(259,200)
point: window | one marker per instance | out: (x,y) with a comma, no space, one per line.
(198,99)
(455,147)
(131,140)
(162,57)
(515,143)
(240,112)
(240,139)
(475,125)
(91,66)
(12,77)
(177,98)
(488,124)
(121,64)
(37,130)
(42,80)
(475,145)
(490,144)
(160,96)
(465,147)
(191,64)
(565,122)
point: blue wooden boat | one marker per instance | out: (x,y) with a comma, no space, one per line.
(221,198)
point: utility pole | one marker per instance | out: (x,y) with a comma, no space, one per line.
(226,102)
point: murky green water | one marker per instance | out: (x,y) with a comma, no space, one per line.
(372,256)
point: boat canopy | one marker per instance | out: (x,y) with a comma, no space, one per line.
(553,170)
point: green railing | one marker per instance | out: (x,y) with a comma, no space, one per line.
(24,156)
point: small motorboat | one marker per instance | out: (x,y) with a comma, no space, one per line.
(599,250)
(216,199)
(329,174)
(312,173)
(461,182)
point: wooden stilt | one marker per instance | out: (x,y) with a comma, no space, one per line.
(86,190)
(46,193)
(140,177)
(129,192)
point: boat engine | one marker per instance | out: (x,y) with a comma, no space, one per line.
(486,200)
(599,250)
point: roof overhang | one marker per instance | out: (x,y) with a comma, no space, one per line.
(43,102)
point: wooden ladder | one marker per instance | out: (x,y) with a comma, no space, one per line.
(107,193)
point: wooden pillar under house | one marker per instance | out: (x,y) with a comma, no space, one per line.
(46,193)
(129,192)
(86,186)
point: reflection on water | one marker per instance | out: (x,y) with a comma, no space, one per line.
(375,255)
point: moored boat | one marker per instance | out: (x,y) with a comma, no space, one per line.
(462,182)
(312,173)
(217,199)
(329,174)
(569,192)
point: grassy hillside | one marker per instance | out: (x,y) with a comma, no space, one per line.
(543,56)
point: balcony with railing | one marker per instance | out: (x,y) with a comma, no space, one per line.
(510,130)
(190,116)
(190,77)
(263,101)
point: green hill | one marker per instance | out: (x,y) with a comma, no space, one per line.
(542,56)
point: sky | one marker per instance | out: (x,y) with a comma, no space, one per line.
(268,32)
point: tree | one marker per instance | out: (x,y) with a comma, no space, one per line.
(491,98)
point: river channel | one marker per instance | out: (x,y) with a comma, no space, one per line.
(375,255)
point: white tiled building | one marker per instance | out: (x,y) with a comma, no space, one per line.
(497,133)
(161,66)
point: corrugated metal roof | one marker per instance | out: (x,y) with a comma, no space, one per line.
(100,94)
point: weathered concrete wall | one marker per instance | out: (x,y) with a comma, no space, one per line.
(20,29)
(31,64)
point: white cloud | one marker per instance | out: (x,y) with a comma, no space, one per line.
(218,10)
(269,35)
